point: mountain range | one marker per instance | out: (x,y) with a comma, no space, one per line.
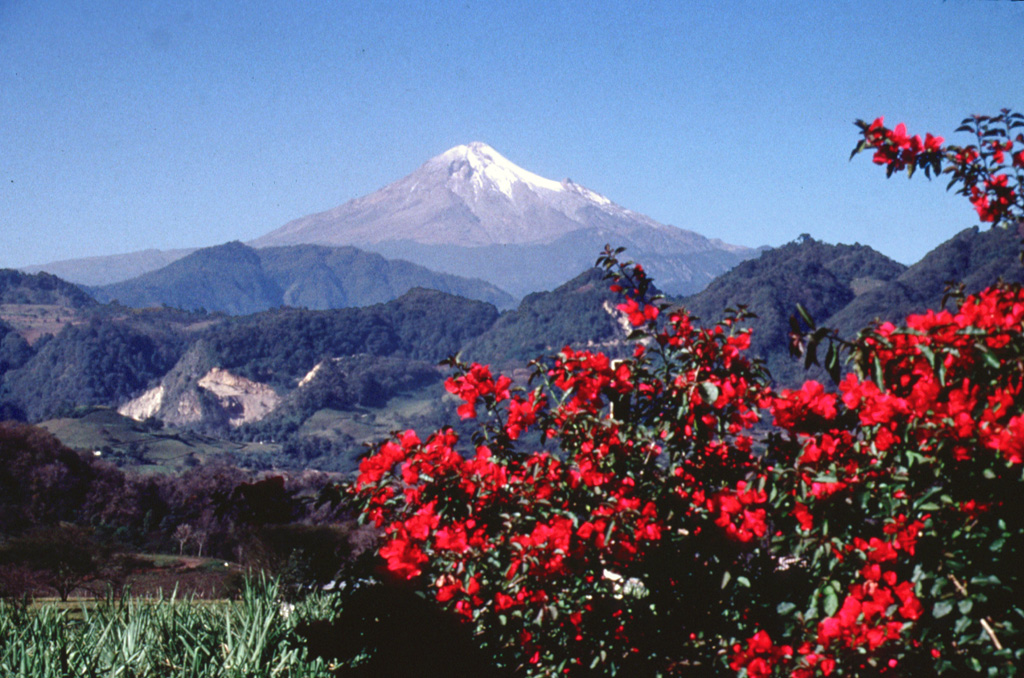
(319,383)
(473,212)
(468,212)
(237,279)
(325,333)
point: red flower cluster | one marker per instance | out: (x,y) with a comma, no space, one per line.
(475,384)
(759,656)
(658,480)
(980,171)
(805,410)
(735,512)
(638,314)
(895,149)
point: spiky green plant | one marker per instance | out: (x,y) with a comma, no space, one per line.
(138,638)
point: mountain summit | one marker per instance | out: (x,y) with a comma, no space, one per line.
(471,211)
(470,195)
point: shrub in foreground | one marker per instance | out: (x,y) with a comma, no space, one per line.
(680,517)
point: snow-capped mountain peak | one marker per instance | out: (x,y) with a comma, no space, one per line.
(485,168)
(472,211)
(471,195)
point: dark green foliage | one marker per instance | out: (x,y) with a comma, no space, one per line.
(976,258)
(14,350)
(576,313)
(40,288)
(61,557)
(101,362)
(57,504)
(301,555)
(43,483)
(823,278)
(279,347)
(394,632)
(236,279)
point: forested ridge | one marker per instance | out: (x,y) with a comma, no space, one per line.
(109,354)
(235,278)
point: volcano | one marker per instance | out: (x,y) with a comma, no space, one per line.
(472,212)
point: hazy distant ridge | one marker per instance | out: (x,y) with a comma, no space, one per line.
(238,279)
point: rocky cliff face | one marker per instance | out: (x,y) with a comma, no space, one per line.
(145,406)
(241,399)
(199,392)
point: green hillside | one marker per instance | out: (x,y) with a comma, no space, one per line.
(823,278)
(237,279)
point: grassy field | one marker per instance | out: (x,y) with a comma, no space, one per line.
(32,321)
(131,443)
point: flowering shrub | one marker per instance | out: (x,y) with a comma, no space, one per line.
(989,172)
(671,514)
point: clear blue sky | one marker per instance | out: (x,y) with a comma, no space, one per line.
(129,125)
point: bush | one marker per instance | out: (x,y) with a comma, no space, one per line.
(682,518)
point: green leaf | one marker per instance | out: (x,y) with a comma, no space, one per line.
(811,356)
(832,362)
(965,605)
(942,608)
(831,603)
(708,391)
(962,625)
(806,316)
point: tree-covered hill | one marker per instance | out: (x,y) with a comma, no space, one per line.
(100,362)
(823,278)
(41,289)
(227,278)
(280,346)
(237,279)
(317,277)
(117,354)
(14,350)
(977,258)
(847,286)
(579,312)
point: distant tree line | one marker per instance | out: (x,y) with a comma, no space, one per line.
(69,520)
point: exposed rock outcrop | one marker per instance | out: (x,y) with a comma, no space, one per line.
(198,392)
(243,400)
(145,406)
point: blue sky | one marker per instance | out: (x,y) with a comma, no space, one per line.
(125,126)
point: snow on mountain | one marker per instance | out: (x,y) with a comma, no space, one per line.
(471,211)
(486,170)
(470,196)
